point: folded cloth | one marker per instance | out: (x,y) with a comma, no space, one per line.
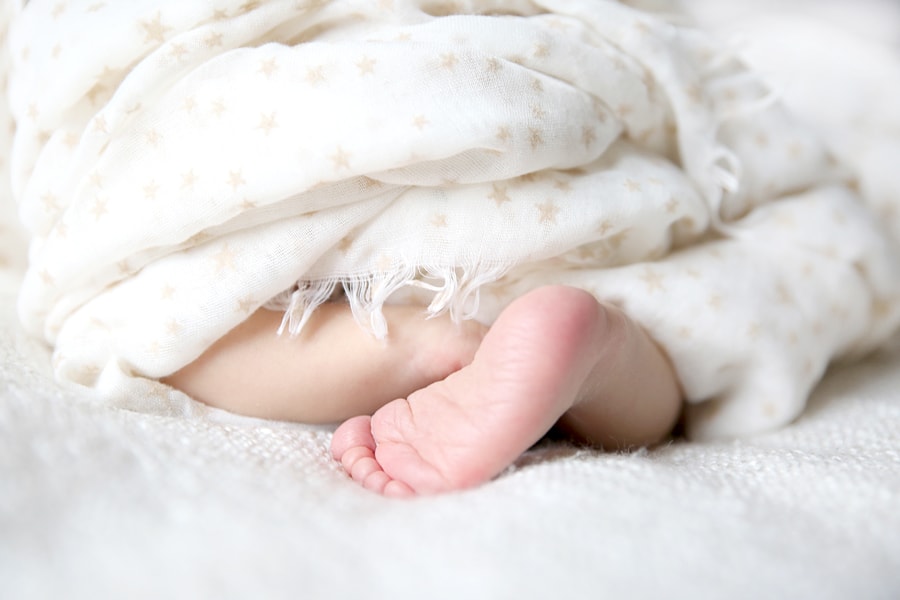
(181,164)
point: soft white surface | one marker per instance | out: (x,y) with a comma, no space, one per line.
(107,503)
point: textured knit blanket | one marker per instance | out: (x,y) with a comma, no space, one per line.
(179,165)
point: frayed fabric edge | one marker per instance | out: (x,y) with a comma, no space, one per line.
(456,290)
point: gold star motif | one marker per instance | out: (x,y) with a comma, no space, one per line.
(588,136)
(267,123)
(268,67)
(236,179)
(153,137)
(653,280)
(541,50)
(714,302)
(96,179)
(246,305)
(172,327)
(58,10)
(783,294)
(167,292)
(604,227)
(498,194)
(46,277)
(248,6)
(538,112)
(840,218)
(345,244)
(154,31)
(189,104)
(224,259)
(562,185)
(537,85)
(695,93)
(420,122)
(247,204)
(672,206)
(366,66)
(98,209)
(449,60)
(369,183)
(753,330)
(535,138)
(50,202)
(632,186)
(439,221)
(177,51)
(494,65)
(124,268)
(198,238)
(642,28)
(503,133)
(218,107)
(219,15)
(32,111)
(384,263)
(213,39)
(315,76)
(880,308)
(70,139)
(150,190)
(340,159)
(188,180)
(548,211)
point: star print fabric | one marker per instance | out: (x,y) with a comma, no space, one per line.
(181,164)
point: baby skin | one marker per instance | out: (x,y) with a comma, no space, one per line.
(441,406)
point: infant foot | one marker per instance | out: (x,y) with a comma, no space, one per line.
(464,430)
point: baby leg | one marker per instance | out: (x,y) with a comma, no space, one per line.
(332,371)
(555,354)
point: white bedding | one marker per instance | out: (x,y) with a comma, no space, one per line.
(165,498)
(98,502)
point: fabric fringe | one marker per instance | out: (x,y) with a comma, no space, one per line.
(455,291)
(302,303)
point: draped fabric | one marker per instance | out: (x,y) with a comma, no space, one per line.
(182,164)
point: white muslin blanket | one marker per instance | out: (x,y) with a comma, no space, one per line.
(180,164)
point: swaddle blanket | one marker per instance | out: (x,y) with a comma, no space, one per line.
(182,164)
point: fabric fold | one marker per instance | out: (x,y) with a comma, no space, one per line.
(202,161)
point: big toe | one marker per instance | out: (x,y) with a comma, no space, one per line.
(353,433)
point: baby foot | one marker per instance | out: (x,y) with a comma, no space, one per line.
(464,430)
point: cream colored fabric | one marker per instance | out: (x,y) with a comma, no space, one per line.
(98,502)
(180,164)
